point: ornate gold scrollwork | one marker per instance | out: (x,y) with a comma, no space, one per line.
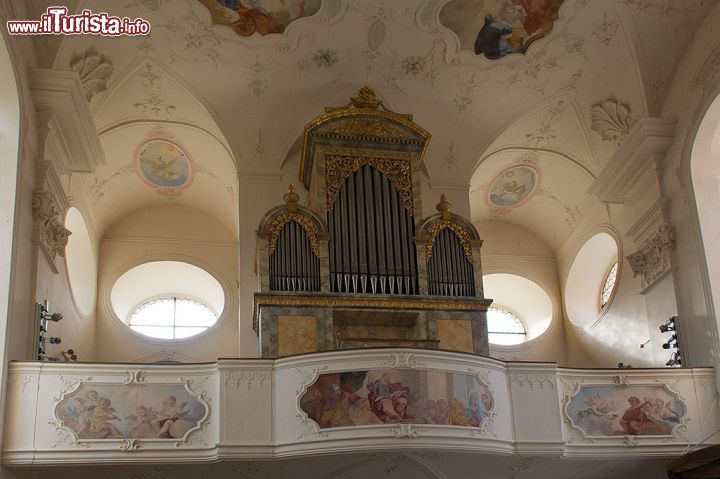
(339,167)
(369,127)
(306,223)
(435,229)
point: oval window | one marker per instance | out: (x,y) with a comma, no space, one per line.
(80,262)
(591,280)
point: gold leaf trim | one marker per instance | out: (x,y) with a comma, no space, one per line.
(370,127)
(462,234)
(306,223)
(339,167)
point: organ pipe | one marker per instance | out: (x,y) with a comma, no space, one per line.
(449,271)
(293,265)
(371,244)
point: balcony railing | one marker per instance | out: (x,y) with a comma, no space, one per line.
(356,400)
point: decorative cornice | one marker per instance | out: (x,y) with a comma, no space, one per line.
(649,138)
(61,100)
(365,116)
(652,262)
(365,301)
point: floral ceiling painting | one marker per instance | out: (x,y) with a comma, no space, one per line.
(247,17)
(496,28)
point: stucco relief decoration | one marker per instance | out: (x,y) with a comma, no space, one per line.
(131,411)
(50,233)
(165,166)
(653,260)
(397,396)
(611,119)
(622,411)
(247,17)
(496,28)
(94,70)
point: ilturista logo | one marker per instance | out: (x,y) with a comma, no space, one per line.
(56,21)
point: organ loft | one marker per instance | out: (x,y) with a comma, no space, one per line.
(364,263)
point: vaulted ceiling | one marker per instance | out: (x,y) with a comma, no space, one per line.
(236,102)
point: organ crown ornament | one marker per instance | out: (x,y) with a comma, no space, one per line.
(291,199)
(444,207)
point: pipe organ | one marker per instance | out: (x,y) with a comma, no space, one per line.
(359,265)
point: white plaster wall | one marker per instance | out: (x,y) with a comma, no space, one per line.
(509,248)
(167,233)
(695,85)
(623,325)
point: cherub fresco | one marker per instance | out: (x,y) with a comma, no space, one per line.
(622,410)
(496,28)
(265,17)
(361,398)
(131,411)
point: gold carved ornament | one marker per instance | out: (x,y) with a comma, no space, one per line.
(306,223)
(369,127)
(339,167)
(462,235)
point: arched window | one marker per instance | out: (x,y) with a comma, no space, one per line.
(168,300)
(505,327)
(608,286)
(172,318)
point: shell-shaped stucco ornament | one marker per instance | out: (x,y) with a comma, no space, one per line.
(611,119)
(94,70)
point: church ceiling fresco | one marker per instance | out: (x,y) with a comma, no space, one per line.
(418,55)
(513,186)
(164,164)
(496,28)
(247,17)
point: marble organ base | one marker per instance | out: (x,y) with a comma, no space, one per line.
(290,324)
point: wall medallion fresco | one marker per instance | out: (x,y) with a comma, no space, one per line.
(164,164)
(132,411)
(361,398)
(513,186)
(626,410)
(496,28)
(247,17)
